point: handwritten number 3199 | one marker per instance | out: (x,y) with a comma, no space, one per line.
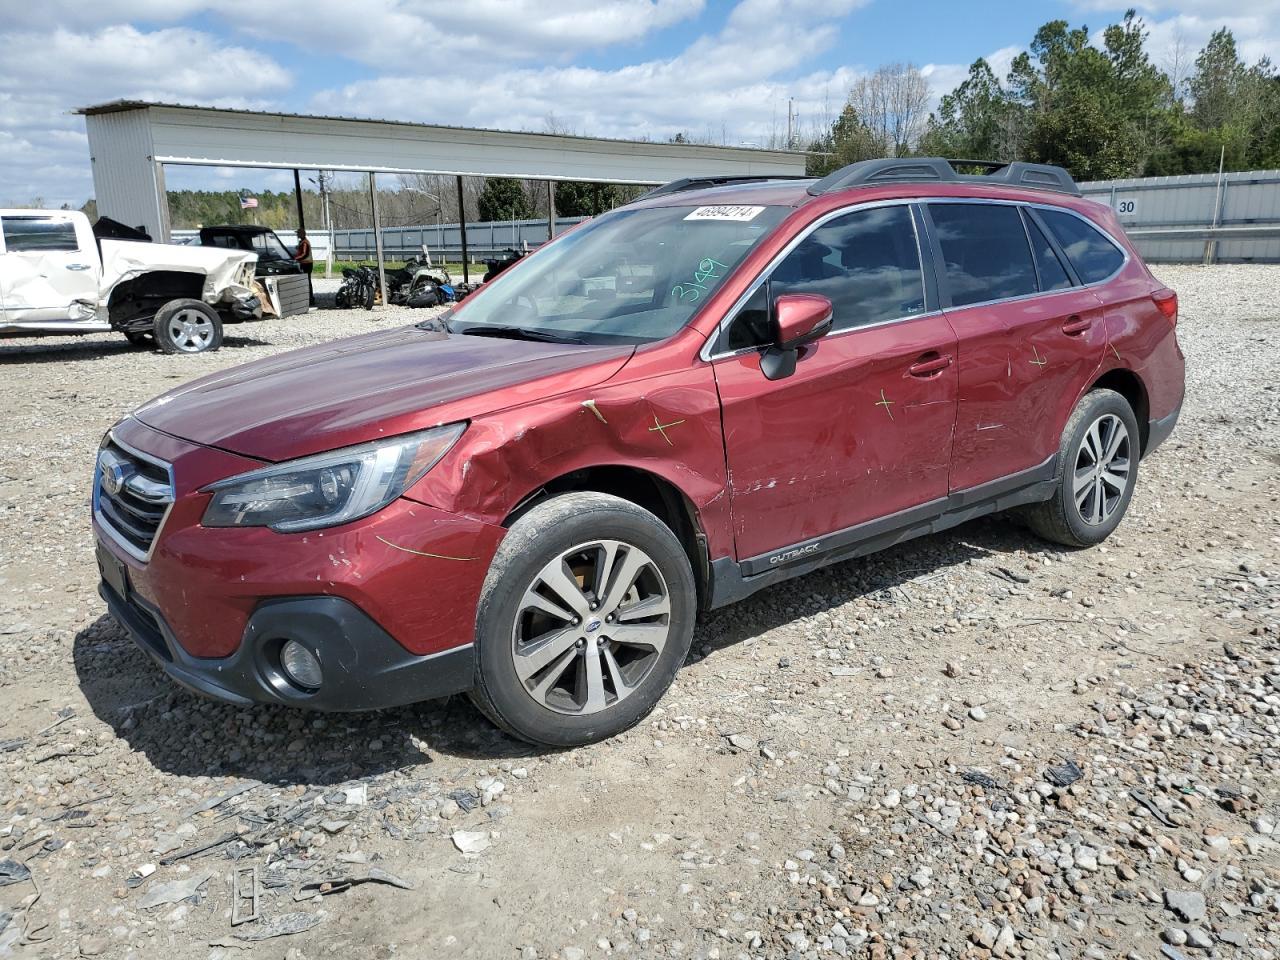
(708,269)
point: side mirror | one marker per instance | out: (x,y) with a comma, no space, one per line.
(798,319)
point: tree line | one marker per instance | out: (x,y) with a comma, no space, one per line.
(402,201)
(1103,111)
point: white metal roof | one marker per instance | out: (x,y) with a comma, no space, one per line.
(131,141)
(222,137)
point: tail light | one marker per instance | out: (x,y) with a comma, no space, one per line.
(1166,302)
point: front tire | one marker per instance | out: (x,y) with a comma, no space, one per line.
(585,617)
(1097,471)
(187,326)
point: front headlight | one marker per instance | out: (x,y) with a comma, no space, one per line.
(330,488)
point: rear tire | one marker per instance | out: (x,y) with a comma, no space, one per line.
(139,338)
(187,326)
(585,617)
(1097,469)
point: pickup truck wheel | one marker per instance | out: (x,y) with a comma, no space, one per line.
(138,338)
(585,617)
(187,326)
(1097,471)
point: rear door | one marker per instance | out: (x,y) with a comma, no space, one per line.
(862,428)
(49,265)
(1030,337)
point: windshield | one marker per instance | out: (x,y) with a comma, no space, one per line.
(269,247)
(631,276)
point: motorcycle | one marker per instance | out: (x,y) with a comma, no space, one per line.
(503,261)
(419,284)
(359,287)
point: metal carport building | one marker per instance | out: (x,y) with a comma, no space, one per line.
(131,141)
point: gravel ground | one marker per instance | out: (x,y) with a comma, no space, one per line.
(969,746)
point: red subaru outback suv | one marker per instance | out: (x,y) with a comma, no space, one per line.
(720,386)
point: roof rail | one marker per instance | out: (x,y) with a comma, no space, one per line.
(699,183)
(868,173)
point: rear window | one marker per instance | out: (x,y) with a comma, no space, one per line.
(985,252)
(38,235)
(1090,252)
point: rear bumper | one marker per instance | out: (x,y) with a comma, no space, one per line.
(1158,431)
(364,668)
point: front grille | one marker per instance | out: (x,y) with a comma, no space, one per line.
(139,621)
(132,494)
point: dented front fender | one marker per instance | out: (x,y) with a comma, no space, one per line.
(667,426)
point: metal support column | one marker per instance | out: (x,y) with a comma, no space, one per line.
(551,209)
(462,224)
(1211,246)
(377,236)
(297,196)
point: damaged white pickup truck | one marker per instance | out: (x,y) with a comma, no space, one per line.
(58,275)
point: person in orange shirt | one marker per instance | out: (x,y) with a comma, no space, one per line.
(302,253)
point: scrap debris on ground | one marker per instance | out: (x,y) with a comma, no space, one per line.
(973,745)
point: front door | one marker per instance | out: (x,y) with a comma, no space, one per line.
(862,428)
(48,266)
(1030,338)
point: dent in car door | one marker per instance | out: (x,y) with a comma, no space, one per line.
(862,428)
(1029,338)
(50,270)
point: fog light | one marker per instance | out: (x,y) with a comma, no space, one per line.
(300,665)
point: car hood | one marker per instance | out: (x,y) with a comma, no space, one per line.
(382,384)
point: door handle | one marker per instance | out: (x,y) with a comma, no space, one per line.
(927,368)
(77,266)
(1076,324)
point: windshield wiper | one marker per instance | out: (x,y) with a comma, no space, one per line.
(518,333)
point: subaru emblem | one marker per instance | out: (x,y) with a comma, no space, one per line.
(114,474)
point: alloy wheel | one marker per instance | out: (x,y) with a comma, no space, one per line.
(1102,470)
(190,331)
(591,627)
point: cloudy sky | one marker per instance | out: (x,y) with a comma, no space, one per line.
(620,68)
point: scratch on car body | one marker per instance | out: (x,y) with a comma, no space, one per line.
(417,553)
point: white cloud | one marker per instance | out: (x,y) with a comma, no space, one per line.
(398,33)
(45,75)
(1179,30)
(731,86)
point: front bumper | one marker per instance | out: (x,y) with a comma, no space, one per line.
(388,603)
(363,667)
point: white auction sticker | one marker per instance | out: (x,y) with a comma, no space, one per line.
(735,212)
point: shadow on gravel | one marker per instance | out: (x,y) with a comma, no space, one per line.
(187,735)
(64,352)
(885,576)
(59,350)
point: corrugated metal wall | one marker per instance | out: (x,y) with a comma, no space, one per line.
(1244,199)
(484,239)
(126,180)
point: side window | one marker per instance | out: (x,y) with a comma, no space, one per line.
(751,325)
(866,263)
(39,235)
(1093,255)
(1053,276)
(985,251)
